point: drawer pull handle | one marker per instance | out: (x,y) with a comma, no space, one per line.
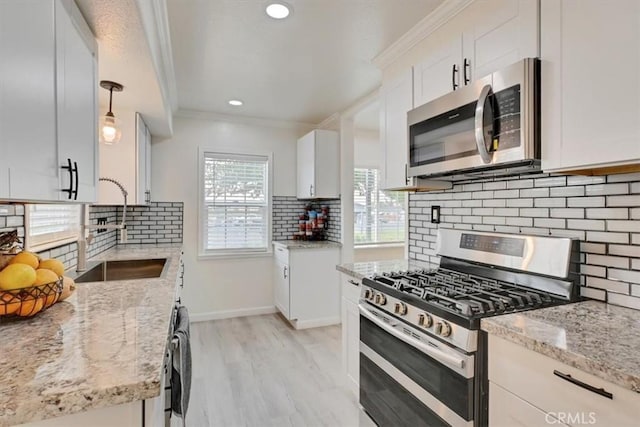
(353,282)
(568,377)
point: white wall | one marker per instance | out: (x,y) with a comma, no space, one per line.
(366,149)
(223,287)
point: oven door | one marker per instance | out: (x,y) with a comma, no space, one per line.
(410,379)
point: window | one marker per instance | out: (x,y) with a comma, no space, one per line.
(235,211)
(48,226)
(379,216)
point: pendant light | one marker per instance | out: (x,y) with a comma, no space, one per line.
(110,132)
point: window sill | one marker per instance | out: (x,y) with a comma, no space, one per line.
(378,245)
(239,255)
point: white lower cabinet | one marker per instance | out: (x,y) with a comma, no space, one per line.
(306,285)
(551,392)
(351,332)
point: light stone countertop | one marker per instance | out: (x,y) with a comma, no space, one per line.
(598,338)
(303,244)
(103,346)
(360,270)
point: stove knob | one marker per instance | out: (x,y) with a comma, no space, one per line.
(443,329)
(380,299)
(400,308)
(425,320)
(368,294)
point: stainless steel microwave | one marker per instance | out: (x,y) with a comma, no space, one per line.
(488,128)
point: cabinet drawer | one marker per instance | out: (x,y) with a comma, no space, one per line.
(281,253)
(351,288)
(508,410)
(534,378)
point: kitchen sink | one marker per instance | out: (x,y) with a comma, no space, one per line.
(124,270)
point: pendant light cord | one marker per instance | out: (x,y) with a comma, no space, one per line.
(110,97)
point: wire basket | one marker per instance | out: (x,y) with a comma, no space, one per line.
(29,301)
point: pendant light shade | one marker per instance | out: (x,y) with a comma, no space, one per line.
(110,132)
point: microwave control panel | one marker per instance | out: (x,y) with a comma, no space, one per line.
(506,104)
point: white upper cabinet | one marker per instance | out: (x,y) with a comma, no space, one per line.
(77,101)
(590,52)
(485,37)
(47,102)
(128,162)
(396,99)
(318,165)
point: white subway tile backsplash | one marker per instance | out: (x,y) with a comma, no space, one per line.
(566,213)
(586,224)
(483,194)
(602,212)
(630,201)
(609,285)
(606,189)
(628,226)
(585,202)
(624,275)
(607,213)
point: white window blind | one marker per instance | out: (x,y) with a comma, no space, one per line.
(236,208)
(379,216)
(47,226)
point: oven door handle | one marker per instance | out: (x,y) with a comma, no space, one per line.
(431,351)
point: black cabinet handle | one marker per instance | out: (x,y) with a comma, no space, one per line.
(466,65)
(69,169)
(454,71)
(353,282)
(568,377)
(75,188)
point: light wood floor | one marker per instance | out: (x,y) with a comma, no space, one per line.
(258,371)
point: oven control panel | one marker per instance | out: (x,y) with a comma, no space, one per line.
(429,323)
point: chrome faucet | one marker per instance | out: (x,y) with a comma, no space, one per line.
(85,240)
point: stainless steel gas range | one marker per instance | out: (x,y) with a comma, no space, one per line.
(423,359)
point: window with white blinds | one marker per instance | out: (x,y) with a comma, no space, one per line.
(379,216)
(236,208)
(48,226)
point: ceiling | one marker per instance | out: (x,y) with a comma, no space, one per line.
(304,68)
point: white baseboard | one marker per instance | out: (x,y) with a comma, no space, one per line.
(316,323)
(227,314)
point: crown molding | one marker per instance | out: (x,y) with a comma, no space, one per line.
(440,15)
(249,120)
(155,22)
(332,122)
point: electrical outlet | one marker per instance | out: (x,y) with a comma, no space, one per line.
(435,214)
(102,221)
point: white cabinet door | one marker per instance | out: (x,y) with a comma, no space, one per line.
(28,156)
(143,162)
(281,285)
(351,343)
(306,166)
(396,99)
(318,165)
(440,72)
(508,410)
(76,96)
(502,32)
(590,85)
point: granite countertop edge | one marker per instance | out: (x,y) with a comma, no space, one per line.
(304,244)
(599,368)
(57,398)
(360,270)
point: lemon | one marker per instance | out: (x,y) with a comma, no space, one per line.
(25,257)
(17,276)
(44,276)
(53,265)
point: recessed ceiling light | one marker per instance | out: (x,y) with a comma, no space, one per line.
(235,102)
(278,10)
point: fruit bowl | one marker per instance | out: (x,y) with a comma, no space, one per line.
(27,302)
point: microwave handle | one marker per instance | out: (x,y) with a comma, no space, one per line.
(480,142)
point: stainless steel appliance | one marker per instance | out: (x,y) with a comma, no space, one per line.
(422,355)
(490,127)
